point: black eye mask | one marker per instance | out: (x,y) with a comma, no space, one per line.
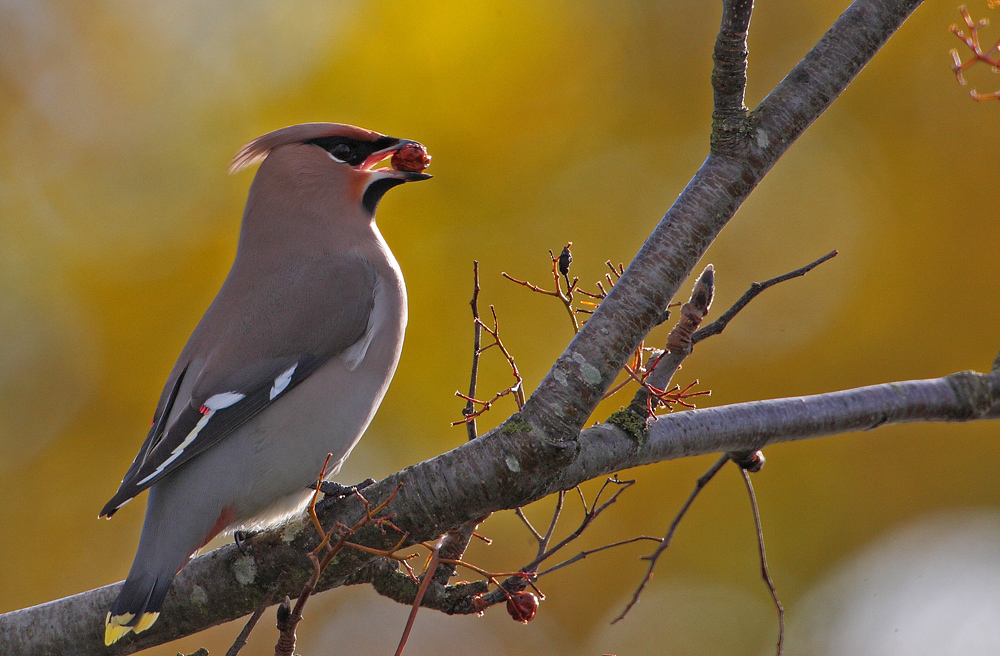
(352,151)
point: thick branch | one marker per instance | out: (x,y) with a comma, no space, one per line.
(575,384)
(729,79)
(482,476)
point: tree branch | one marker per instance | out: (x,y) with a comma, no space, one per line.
(541,449)
(575,384)
(729,79)
(477,478)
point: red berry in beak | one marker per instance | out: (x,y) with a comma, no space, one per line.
(411,157)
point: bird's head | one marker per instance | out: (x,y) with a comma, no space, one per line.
(360,163)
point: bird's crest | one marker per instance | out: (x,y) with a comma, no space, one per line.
(258,149)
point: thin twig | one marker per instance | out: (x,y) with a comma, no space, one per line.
(567,296)
(617,388)
(457,540)
(583,499)
(764,573)
(470,425)
(241,639)
(527,575)
(432,564)
(652,558)
(654,380)
(756,288)
(517,389)
(486,405)
(589,516)
(543,544)
(584,554)
(520,513)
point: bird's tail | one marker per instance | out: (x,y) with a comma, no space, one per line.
(165,547)
(137,606)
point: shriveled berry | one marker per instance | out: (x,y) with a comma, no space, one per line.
(565,259)
(522,606)
(411,157)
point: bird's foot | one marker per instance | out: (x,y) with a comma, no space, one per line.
(240,538)
(339,491)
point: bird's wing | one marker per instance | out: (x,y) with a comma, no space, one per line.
(275,336)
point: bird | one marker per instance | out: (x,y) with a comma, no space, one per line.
(288,364)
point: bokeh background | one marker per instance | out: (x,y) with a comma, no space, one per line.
(548,122)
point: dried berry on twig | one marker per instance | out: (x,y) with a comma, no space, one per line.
(522,606)
(565,259)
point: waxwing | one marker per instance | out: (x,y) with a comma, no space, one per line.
(289,363)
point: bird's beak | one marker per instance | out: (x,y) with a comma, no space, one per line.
(389,171)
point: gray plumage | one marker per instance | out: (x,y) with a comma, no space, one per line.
(289,362)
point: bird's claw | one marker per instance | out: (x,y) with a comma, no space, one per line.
(338,490)
(240,538)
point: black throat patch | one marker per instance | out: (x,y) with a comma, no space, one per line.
(375,191)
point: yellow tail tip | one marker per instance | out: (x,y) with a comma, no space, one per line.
(145,621)
(115,628)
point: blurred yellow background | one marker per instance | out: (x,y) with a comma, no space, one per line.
(548,122)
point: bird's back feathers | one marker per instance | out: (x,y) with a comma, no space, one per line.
(273,340)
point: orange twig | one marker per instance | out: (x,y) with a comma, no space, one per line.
(288,617)
(972,42)
(571,286)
